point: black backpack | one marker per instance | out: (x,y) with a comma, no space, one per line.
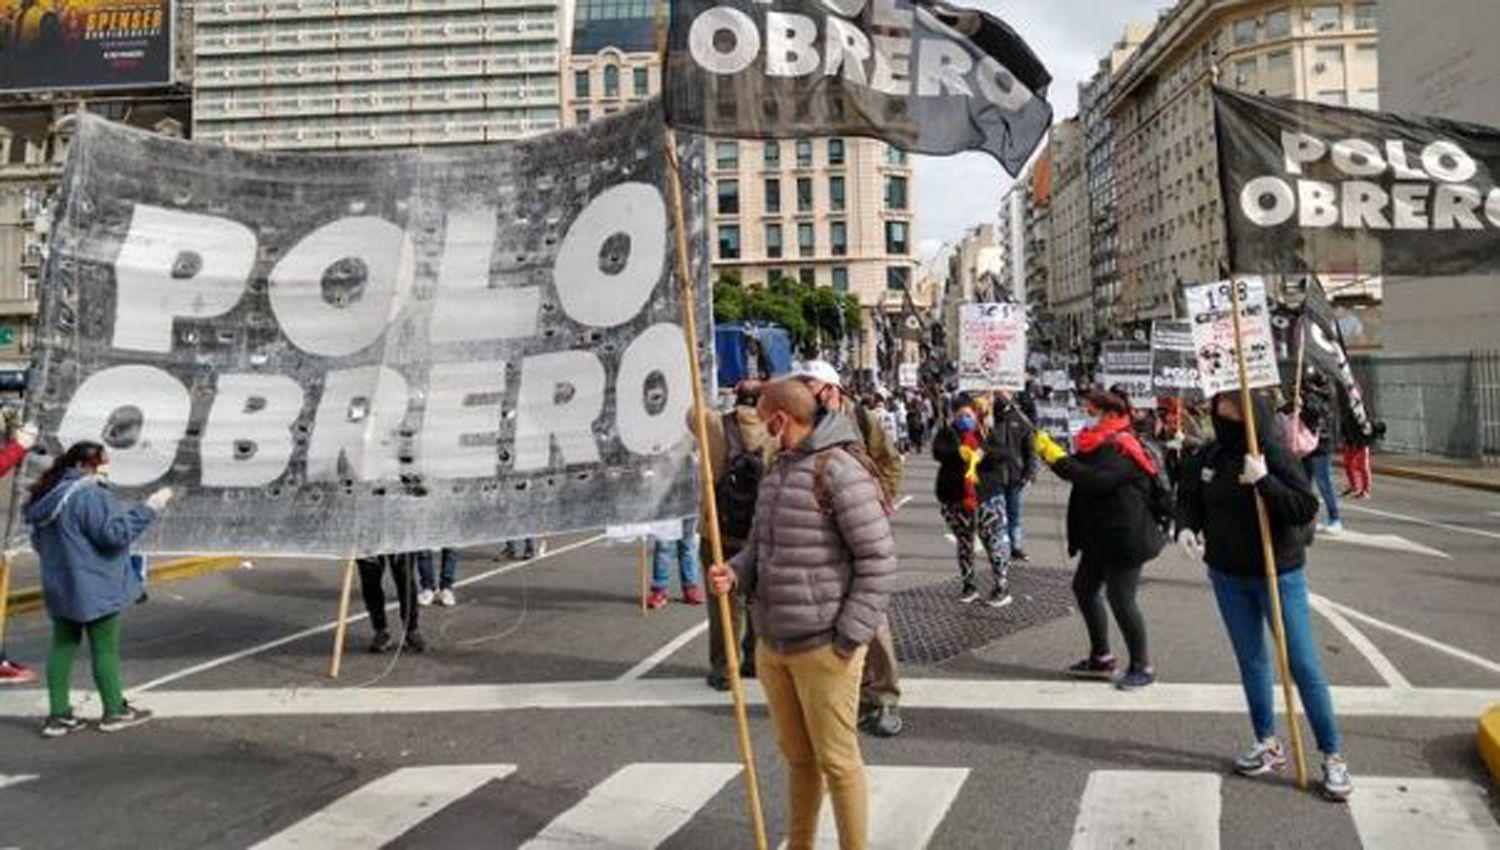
(1161,496)
(739,483)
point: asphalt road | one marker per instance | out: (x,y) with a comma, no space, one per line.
(549,709)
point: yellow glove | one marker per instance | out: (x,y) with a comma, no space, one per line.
(971,457)
(1047,448)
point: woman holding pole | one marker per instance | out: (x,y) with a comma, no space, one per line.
(1217,511)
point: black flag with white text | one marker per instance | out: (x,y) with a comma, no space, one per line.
(1334,190)
(925,77)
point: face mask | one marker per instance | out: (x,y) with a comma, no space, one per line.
(965,423)
(102,472)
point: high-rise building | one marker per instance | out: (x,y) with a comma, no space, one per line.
(974,268)
(332,74)
(1038,233)
(1169,211)
(826,211)
(1070,290)
(1012,239)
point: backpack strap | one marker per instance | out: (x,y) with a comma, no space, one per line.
(821,489)
(734,437)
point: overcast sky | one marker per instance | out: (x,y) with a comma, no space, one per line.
(956,192)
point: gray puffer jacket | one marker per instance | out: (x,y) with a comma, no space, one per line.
(818,577)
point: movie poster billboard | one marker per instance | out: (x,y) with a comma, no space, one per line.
(85,44)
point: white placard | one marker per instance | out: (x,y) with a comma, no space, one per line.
(1210,309)
(992,347)
(907,376)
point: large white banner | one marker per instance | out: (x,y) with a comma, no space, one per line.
(991,347)
(1210,309)
(350,354)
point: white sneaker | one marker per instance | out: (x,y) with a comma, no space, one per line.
(1263,757)
(424,597)
(446,598)
(1335,527)
(1336,783)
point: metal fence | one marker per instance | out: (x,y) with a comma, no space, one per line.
(1446,405)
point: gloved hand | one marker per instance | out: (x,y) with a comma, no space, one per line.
(1191,543)
(26,435)
(1047,448)
(1254,470)
(158,501)
(1176,443)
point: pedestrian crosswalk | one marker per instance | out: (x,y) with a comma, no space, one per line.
(643,805)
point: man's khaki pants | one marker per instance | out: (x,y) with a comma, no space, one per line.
(813,697)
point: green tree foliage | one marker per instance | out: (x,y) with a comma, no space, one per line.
(810,314)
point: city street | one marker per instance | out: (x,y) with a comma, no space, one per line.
(550,712)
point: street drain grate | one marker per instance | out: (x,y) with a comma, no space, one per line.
(929,624)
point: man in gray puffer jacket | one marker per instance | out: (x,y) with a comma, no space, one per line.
(818,570)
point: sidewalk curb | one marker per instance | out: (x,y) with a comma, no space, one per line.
(1464,481)
(29,599)
(1489,743)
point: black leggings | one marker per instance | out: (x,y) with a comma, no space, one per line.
(1120,580)
(371,574)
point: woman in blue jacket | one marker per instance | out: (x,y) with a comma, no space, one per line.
(82,536)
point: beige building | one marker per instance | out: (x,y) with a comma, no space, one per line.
(974,267)
(1169,212)
(1070,290)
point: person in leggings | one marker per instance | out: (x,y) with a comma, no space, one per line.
(1111,525)
(1216,514)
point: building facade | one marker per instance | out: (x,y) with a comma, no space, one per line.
(1012,239)
(1070,290)
(973,272)
(335,74)
(1169,211)
(1037,262)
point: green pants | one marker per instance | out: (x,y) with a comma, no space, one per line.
(104,647)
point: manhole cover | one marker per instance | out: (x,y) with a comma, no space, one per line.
(929,625)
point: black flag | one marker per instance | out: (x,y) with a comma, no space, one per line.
(1329,189)
(924,76)
(1326,351)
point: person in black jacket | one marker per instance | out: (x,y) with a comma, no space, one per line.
(1012,429)
(1216,504)
(970,492)
(1111,524)
(1320,414)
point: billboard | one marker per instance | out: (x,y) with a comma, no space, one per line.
(85,44)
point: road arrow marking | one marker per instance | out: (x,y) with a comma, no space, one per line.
(17,779)
(1390,542)
(1357,639)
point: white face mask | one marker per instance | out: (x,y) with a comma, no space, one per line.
(102,472)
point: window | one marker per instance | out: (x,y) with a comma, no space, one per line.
(727,154)
(641,82)
(895,237)
(840,279)
(804,194)
(774,274)
(1246,75)
(772,155)
(1333,97)
(773,195)
(611,81)
(729,242)
(836,193)
(804,153)
(838,237)
(808,276)
(805,244)
(1280,79)
(895,192)
(1366,17)
(1366,65)
(581,83)
(835,151)
(580,116)
(1278,24)
(897,278)
(729,197)
(1327,17)
(1244,32)
(773,244)
(894,156)
(1328,68)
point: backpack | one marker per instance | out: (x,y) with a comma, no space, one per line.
(862,420)
(824,497)
(739,484)
(1161,497)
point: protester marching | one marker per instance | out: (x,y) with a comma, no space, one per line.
(511,367)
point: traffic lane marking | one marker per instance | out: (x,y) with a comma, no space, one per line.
(640,806)
(1388,542)
(906,806)
(1398,813)
(1148,808)
(1415,637)
(1462,529)
(1361,644)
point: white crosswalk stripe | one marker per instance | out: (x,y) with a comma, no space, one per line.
(906,805)
(385,809)
(7,781)
(1145,808)
(1393,813)
(640,806)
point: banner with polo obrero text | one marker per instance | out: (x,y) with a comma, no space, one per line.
(347,354)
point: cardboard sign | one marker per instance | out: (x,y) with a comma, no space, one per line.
(992,347)
(1210,309)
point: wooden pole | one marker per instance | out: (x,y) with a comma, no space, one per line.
(1278,625)
(342,629)
(4,595)
(1301,359)
(706,472)
(644,545)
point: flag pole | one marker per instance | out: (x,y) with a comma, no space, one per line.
(4,597)
(340,631)
(643,576)
(710,508)
(1278,625)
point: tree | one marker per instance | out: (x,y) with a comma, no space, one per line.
(811,315)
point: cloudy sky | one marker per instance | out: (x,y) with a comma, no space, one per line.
(1070,36)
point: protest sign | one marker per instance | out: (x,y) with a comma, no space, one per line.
(1212,317)
(991,347)
(1055,420)
(1128,365)
(1174,360)
(908,375)
(1057,380)
(926,77)
(337,355)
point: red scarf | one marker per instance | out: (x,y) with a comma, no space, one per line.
(1115,430)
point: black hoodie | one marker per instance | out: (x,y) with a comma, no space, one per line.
(1211,499)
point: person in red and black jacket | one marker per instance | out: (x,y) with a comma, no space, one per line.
(1111,523)
(11,455)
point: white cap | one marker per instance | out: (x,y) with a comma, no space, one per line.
(821,371)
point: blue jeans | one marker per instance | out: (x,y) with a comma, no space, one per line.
(1320,469)
(446,576)
(682,553)
(1246,609)
(1013,495)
